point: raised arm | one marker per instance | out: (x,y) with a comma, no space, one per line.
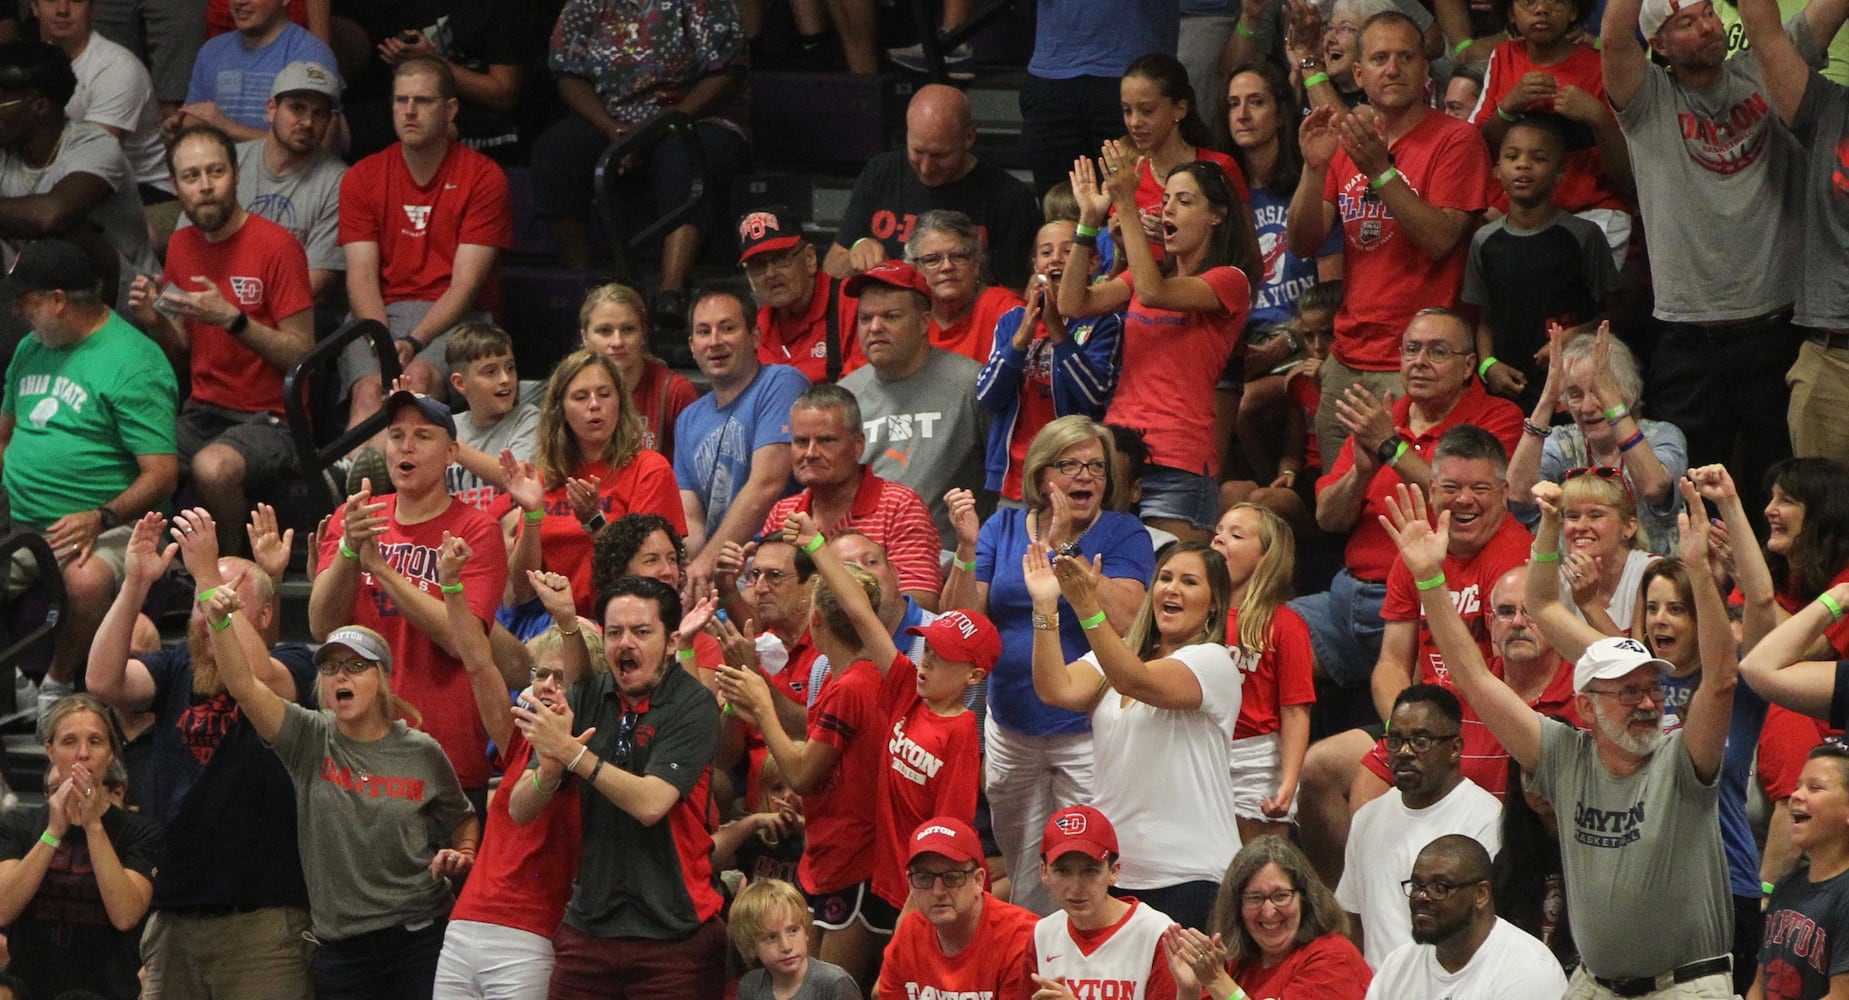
(1622,59)
(1164,683)
(1078,296)
(337,586)
(799,530)
(1750,572)
(1704,731)
(1310,218)
(263,707)
(112,674)
(1525,463)
(806,765)
(471,641)
(1154,288)
(1516,726)
(1071,686)
(1564,631)
(1776,668)
(1786,73)
(961,588)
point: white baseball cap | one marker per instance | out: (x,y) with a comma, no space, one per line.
(1611,658)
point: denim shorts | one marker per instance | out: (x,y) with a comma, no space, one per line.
(1181,496)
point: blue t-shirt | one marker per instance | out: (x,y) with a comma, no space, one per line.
(713,444)
(1286,274)
(1749,717)
(1123,541)
(1085,38)
(239,78)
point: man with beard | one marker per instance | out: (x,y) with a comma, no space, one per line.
(1459,946)
(805,319)
(230,906)
(235,304)
(1639,811)
(1430,797)
(644,911)
(291,179)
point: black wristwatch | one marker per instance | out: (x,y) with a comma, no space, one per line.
(239,325)
(595,524)
(109,518)
(1068,549)
(1389,449)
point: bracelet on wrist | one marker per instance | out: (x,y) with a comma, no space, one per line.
(573,766)
(1088,242)
(1386,177)
(810,547)
(574,630)
(1432,584)
(1458,49)
(347,552)
(1046,623)
(1486,364)
(1632,441)
(1544,557)
(1244,32)
(1315,79)
(595,769)
(206,594)
(1534,430)
(1505,116)
(533,516)
(684,655)
(50,841)
(450,588)
(222,624)
(966,565)
(1399,453)
(1617,413)
(1093,622)
(1084,230)
(1830,605)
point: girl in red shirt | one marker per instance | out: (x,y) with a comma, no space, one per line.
(1162,119)
(1186,318)
(614,322)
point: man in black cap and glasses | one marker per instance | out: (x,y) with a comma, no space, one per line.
(86,438)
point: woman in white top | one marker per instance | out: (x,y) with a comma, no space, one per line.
(1603,547)
(1163,702)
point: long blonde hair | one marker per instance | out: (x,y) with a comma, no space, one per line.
(1271,582)
(1142,636)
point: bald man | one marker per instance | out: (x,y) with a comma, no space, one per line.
(937,169)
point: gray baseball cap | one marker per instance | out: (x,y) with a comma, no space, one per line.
(307,76)
(360,639)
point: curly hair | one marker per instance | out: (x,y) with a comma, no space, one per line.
(619,541)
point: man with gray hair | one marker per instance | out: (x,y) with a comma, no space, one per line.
(946,247)
(826,441)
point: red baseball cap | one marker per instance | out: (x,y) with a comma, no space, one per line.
(962,637)
(768,229)
(948,836)
(892,273)
(1078,828)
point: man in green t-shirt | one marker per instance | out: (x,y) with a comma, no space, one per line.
(86,438)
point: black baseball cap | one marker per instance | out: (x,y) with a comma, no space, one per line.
(47,266)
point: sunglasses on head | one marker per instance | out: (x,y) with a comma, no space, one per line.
(1609,473)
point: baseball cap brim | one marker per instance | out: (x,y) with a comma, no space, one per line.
(770,246)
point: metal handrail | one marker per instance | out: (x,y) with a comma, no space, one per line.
(638,144)
(51,585)
(312,456)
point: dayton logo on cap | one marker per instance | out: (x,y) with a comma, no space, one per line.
(941,831)
(1071,824)
(1631,646)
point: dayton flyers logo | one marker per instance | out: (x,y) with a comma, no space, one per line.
(419,216)
(1072,824)
(248,290)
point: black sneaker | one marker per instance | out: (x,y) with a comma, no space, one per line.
(369,463)
(669,313)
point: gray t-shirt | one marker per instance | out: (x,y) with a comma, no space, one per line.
(90,149)
(1821,124)
(1642,851)
(369,816)
(306,203)
(1719,181)
(518,432)
(925,431)
(823,982)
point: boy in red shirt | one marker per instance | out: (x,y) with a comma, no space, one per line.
(959,939)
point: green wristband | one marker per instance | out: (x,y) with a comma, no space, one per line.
(1314,79)
(1486,364)
(533,516)
(349,553)
(1084,230)
(1767,887)
(1458,49)
(1830,605)
(225,623)
(50,841)
(1617,413)
(1399,452)
(1505,116)
(684,655)
(1544,557)
(814,544)
(1243,31)
(206,594)
(1386,177)
(1093,622)
(1433,584)
(966,565)
(450,588)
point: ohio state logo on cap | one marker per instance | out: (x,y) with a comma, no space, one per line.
(758,225)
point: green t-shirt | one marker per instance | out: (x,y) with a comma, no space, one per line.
(82,414)
(1838,69)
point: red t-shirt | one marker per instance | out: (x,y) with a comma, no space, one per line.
(645,485)
(993,966)
(1306,394)
(1282,675)
(1171,363)
(1388,279)
(1370,550)
(1035,409)
(1327,968)
(891,515)
(1784,744)
(801,341)
(1838,633)
(1149,191)
(974,335)
(422,673)
(523,874)
(659,396)
(839,824)
(260,269)
(1582,180)
(932,768)
(419,226)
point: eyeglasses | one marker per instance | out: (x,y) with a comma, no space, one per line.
(554,674)
(355,666)
(1631,697)
(955,878)
(1436,350)
(1507,613)
(1420,742)
(1434,891)
(1279,898)
(1071,467)
(933,261)
(771,577)
(764,263)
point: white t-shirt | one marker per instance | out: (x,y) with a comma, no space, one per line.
(1165,777)
(1383,843)
(1509,965)
(1127,956)
(114,90)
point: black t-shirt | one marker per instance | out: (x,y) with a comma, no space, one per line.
(475,34)
(223,796)
(63,940)
(888,199)
(1525,280)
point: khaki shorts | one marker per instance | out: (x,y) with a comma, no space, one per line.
(111,547)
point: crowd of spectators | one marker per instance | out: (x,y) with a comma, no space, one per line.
(1368,519)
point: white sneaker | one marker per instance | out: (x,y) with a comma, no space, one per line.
(959,63)
(51,692)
